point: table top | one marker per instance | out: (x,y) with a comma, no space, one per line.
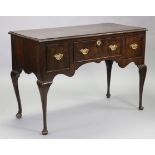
(49,34)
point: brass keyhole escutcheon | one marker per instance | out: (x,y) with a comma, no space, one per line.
(99,43)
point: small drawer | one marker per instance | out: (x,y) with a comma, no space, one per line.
(114,46)
(57,56)
(134,46)
(89,49)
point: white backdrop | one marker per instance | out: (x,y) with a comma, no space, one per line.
(77,107)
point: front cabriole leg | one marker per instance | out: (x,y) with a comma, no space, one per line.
(142,75)
(43,89)
(14,76)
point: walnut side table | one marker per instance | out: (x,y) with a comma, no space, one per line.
(53,51)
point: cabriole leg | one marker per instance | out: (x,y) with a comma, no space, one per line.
(142,75)
(43,89)
(14,76)
(109,64)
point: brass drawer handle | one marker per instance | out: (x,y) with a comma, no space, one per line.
(134,46)
(58,56)
(84,51)
(99,43)
(113,47)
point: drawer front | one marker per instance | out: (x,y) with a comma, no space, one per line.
(89,49)
(57,56)
(114,46)
(134,46)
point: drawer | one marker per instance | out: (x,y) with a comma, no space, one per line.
(89,49)
(57,56)
(114,46)
(134,46)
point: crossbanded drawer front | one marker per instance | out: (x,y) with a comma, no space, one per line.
(134,46)
(114,46)
(57,56)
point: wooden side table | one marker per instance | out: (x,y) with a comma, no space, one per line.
(53,51)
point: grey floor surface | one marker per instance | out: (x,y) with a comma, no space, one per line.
(78,108)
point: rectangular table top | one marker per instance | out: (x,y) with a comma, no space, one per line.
(49,34)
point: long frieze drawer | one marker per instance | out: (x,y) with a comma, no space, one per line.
(89,49)
(92,49)
(134,46)
(57,56)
